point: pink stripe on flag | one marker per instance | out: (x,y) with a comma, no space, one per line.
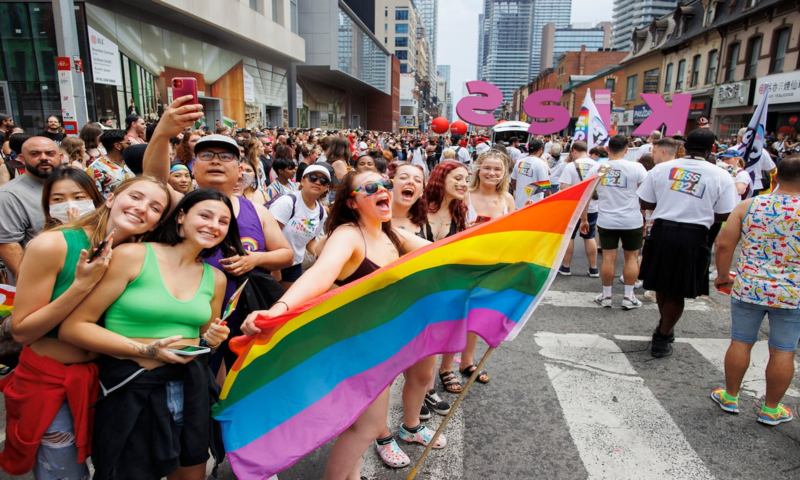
(284,445)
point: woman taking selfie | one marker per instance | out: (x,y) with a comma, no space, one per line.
(159,303)
(361,240)
(51,433)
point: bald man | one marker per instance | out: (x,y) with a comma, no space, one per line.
(21,216)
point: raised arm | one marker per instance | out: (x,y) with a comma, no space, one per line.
(176,118)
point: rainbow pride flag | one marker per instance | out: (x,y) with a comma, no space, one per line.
(313,370)
(536,187)
(234,301)
(7,293)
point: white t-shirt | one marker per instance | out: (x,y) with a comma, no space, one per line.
(689,191)
(527,171)
(577,171)
(515,153)
(300,229)
(743,177)
(462,154)
(362,148)
(556,166)
(617,201)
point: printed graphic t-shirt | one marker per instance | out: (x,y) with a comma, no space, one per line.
(527,173)
(689,191)
(300,229)
(617,202)
(577,171)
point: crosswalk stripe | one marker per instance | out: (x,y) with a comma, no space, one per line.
(622,430)
(713,350)
(586,300)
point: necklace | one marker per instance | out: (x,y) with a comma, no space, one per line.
(494,202)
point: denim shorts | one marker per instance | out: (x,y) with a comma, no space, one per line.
(59,459)
(175,401)
(784,324)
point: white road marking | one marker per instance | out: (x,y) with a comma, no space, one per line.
(713,350)
(440,464)
(586,299)
(617,424)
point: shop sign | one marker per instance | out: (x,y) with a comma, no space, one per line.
(105,59)
(249,86)
(651,84)
(66,93)
(622,117)
(783,88)
(732,94)
(640,113)
(699,106)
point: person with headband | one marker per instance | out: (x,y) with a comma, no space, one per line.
(180,178)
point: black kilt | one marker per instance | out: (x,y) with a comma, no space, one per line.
(675,259)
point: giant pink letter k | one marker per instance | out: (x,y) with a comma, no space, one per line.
(673,117)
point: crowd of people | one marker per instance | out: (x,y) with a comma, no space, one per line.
(125,245)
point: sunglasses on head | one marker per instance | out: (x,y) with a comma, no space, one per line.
(313,178)
(373,187)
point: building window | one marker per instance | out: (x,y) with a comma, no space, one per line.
(611,84)
(293,15)
(401,15)
(401,54)
(695,71)
(254,4)
(750,3)
(753,52)
(733,58)
(712,7)
(275,17)
(711,68)
(780,42)
(668,79)
(401,28)
(630,93)
(681,74)
(403,68)
(400,41)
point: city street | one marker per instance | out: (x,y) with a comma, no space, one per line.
(577,395)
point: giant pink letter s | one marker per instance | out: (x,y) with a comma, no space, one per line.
(673,117)
(533,108)
(467,105)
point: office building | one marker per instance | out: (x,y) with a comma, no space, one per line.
(443,71)
(629,15)
(429,16)
(557,12)
(396,25)
(558,41)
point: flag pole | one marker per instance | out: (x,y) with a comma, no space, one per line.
(413,473)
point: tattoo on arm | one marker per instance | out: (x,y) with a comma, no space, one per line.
(149,351)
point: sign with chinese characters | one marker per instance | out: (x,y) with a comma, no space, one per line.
(783,88)
(106,67)
(732,94)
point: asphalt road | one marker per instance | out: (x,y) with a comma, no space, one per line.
(577,395)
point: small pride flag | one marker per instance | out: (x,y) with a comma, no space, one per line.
(536,187)
(311,371)
(234,300)
(7,293)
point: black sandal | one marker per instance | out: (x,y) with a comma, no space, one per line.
(483,377)
(449,382)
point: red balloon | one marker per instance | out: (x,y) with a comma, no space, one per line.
(440,125)
(458,127)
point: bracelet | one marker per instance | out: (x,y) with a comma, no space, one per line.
(204,343)
(287,305)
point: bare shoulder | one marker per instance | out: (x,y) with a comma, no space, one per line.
(47,248)
(130,252)
(220,281)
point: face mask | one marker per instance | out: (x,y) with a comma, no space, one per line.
(59,210)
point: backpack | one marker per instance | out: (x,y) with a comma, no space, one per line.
(294,204)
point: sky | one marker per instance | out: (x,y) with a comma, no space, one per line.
(458,35)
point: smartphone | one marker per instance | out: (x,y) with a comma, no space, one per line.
(189,350)
(482,219)
(725,288)
(182,86)
(102,245)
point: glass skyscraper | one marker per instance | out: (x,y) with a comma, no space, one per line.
(544,12)
(429,16)
(630,14)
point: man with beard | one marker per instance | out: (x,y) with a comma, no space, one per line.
(21,216)
(53,131)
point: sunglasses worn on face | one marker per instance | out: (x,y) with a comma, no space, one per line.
(313,178)
(373,187)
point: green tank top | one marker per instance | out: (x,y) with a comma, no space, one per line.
(146,309)
(76,241)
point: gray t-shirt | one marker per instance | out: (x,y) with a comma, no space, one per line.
(21,215)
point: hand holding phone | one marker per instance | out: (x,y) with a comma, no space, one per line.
(482,219)
(102,245)
(182,86)
(188,350)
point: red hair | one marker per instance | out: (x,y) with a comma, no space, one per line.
(434,194)
(418,213)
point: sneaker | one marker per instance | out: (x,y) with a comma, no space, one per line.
(392,455)
(631,303)
(781,416)
(731,406)
(423,437)
(424,413)
(650,296)
(435,403)
(638,284)
(594,272)
(660,346)
(603,301)
(562,270)
(670,337)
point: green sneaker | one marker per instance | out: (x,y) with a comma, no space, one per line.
(782,415)
(725,401)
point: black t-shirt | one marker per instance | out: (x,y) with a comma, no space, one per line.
(56,137)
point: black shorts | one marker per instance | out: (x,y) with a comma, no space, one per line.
(592,227)
(675,259)
(291,274)
(631,239)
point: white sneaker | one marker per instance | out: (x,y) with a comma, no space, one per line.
(630,303)
(638,284)
(650,295)
(603,301)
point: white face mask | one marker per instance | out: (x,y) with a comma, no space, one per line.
(59,210)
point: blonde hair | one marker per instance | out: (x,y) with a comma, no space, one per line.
(475,183)
(449,154)
(98,220)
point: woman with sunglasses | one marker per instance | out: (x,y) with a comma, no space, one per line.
(301,217)
(361,240)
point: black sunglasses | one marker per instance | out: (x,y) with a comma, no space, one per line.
(313,178)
